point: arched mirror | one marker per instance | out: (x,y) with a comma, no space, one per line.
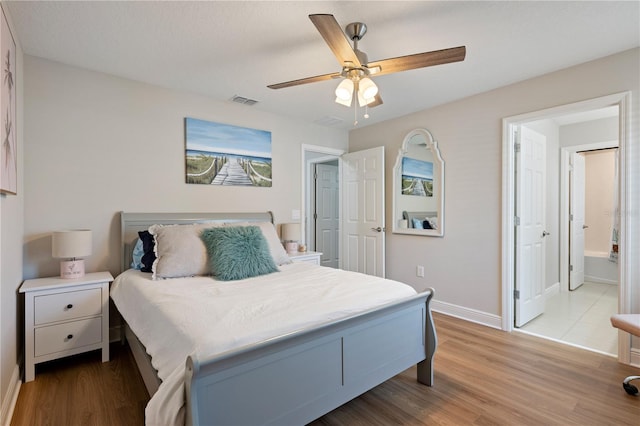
(418,186)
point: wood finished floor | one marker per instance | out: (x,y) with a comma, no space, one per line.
(483,377)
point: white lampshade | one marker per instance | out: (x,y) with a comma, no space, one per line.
(291,236)
(290,232)
(71,244)
(344,91)
(362,101)
(346,102)
(367,88)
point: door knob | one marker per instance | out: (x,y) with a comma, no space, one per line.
(378,229)
(585,226)
(545,233)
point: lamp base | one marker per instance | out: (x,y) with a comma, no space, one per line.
(72,268)
(291,246)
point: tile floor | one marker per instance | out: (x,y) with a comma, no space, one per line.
(580,317)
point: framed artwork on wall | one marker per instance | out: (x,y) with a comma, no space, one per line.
(222,154)
(417,177)
(8,152)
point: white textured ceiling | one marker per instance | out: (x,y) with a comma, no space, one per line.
(221,49)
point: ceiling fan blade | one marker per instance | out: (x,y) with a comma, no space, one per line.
(419,60)
(338,42)
(291,83)
(376,102)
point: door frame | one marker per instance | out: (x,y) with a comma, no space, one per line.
(565,159)
(626,169)
(312,154)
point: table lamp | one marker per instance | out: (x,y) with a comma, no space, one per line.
(291,236)
(69,246)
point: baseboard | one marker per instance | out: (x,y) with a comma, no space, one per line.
(599,280)
(468,314)
(552,290)
(635,357)
(9,403)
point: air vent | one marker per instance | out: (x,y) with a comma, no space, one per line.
(243,100)
(329,121)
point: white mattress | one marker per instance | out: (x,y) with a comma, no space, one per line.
(177,317)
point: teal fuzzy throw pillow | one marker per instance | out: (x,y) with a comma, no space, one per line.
(237,252)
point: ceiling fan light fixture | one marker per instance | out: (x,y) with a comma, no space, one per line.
(345,102)
(362,101)
(367,88)
(344,91)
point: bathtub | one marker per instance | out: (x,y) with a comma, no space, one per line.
(598,268)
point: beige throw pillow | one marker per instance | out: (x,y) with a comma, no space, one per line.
(180,251)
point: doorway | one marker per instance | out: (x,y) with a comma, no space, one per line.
(324,224)
(620,102)
(578,312)
(361,205)
(314,158)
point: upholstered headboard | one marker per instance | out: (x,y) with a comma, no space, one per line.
(132,223)
(409,216)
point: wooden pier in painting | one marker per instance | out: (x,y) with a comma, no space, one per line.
(232,173)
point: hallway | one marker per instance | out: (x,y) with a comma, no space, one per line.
(580,317)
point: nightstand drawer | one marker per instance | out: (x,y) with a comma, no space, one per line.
(67,306)
(67,336)
(306,257)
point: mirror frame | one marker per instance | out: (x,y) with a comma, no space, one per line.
(438,176)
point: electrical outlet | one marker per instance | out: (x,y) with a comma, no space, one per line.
(420,271)
(295,214)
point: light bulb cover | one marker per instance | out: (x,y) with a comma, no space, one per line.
(346,103)
(344,91)
(362,101)
(367,88)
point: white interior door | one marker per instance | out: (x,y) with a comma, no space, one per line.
(530,226)
(326,214)
(363,236)
(576,221)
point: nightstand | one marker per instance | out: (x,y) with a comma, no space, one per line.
(307,256)
(65,317)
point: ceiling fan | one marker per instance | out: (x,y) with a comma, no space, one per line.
(356,68)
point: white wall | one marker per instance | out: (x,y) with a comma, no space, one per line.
(602,130)
(11,232)
(464,267)
(96,144)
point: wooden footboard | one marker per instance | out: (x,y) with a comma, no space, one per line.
(296,378)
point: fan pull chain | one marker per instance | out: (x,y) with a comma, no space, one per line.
(355,113)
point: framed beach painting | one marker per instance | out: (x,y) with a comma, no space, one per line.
(222,154)
(417,177)
(8,152)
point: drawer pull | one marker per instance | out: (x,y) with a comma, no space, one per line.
(69,306)
(70,336)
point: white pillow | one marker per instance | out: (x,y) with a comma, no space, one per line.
(433,221)
(278,253)
(179,250)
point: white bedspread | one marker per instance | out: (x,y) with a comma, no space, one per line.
(177,317)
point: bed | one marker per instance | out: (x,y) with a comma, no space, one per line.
(421,220)
(284,374)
